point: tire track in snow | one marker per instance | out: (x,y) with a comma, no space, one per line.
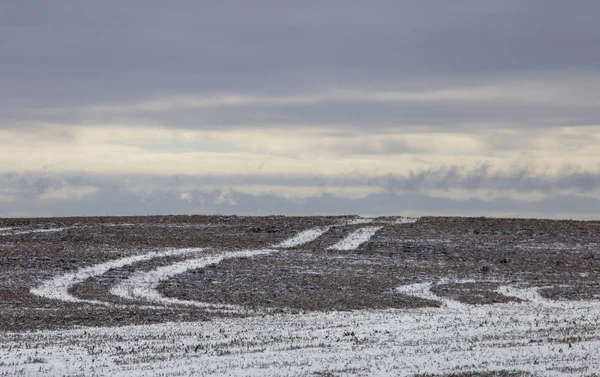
(355,239)
(529,295)
(302,238)
(58,287)
(144,285)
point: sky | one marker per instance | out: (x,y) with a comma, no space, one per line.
(401,107)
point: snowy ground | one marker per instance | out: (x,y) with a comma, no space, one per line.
(512,327)
(548,339)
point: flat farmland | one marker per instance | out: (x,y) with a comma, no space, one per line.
(314,296)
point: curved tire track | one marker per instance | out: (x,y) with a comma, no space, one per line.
(143,285)
(528,295)
(58,287)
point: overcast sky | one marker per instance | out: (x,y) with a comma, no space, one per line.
(465,107)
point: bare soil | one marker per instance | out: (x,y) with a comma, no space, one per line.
(562,256)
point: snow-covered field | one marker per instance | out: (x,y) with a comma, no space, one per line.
(525,333)
(560,339)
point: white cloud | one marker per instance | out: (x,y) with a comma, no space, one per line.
(69,193)
(106,149)
(226,198)
(552,89)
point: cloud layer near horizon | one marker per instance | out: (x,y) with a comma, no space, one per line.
(474,107)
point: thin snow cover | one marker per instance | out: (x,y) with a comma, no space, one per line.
(190,225)
(356,238)
(406,220)
(143,285)
(58,287)
(358,221)
(528,294)
(14,232)
(371,220)
(302,238)
(546,341)
(49,230)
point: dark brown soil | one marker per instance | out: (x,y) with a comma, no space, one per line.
(562,256)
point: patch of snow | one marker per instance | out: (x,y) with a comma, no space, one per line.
(50,230)
(58,287)
(406,220)
(18,232)
(302,238)
(358,221)
(189,226)
(355,239)
(371,220)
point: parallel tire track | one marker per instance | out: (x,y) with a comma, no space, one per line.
(143,285)
(58,287)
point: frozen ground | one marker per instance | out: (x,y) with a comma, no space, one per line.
(299,296)
(550,341)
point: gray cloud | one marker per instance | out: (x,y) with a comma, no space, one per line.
(58,62)
(405,195)
(112,201)
(110,51)
(523,179)
(343,116)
